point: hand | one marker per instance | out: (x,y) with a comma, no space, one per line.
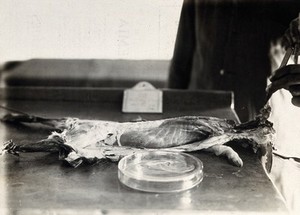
(292,34)
(287,77)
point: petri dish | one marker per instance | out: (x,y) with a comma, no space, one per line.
(160,171)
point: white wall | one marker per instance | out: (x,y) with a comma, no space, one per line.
(117,29)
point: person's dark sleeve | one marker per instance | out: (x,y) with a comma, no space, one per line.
(279,14)
(181,64)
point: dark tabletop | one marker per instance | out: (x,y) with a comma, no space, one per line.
(39,182)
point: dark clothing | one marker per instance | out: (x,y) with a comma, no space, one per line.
(224,45)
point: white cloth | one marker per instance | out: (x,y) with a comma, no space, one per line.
(286,173)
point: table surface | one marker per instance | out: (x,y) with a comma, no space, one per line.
(39,182)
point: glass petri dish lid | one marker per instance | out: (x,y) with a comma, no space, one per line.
(160,171)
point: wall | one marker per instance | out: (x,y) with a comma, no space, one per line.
(111,29)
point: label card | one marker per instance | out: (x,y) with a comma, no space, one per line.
(142,98)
